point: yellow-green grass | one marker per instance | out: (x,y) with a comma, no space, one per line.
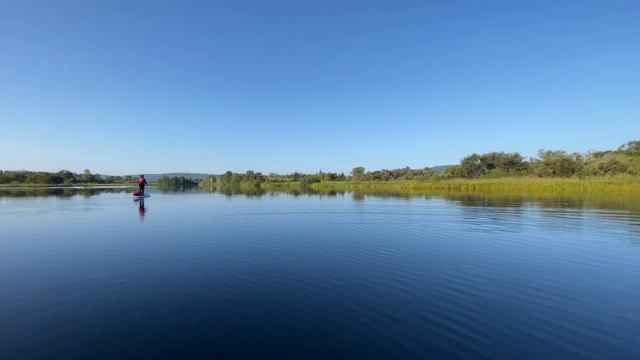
(534,186)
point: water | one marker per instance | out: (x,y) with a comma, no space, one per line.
(91,274)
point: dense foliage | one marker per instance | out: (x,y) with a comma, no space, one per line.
(625,160)
(256,179)
(406,173)
(62,177)
(231,179)
(176,182)
(548,164)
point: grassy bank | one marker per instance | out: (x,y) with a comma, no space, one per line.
(626,185)
(534,186)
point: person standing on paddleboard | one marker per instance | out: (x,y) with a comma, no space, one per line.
(142,182)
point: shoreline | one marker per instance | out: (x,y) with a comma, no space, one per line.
(69,186)
(613,185)
(628,185)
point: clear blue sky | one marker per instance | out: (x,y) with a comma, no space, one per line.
(154,86)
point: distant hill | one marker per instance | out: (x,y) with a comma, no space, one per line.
(440,169)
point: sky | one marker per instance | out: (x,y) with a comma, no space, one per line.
(121,87)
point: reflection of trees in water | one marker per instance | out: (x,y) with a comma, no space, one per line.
(259,191)
(506,202)
(178,188)
(571,213)
(609,203)
(235,190)
(61,192)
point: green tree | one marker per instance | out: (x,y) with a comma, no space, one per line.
(631,147)
(557,164)
(87,177)
(358,173)
(472,166)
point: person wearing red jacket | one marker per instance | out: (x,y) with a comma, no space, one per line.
(142,182)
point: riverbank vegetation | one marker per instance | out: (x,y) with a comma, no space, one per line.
(549,172)
(175,181)
(621,185)
(62,177)
(550,164)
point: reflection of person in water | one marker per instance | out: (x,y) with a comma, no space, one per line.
(141,209)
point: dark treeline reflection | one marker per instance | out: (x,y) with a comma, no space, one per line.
(178,188)
(62,192)
(595,202)
(230,190)
(630,204)
(618,203)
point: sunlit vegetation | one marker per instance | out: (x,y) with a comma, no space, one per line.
(500,172)
(522,185)
(175,181)
(230,179)
(550,164)
(551,172)
(62,177)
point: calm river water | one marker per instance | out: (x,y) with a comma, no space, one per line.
(91,274)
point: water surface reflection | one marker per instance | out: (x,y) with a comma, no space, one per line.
(614,206)
(246,273)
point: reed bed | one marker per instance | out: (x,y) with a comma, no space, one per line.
(532,186)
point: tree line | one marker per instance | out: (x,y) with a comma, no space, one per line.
(233,180)
(62,177)
(175,182)
(549,163)
(623,161)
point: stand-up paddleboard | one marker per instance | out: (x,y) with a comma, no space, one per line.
(138,197)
